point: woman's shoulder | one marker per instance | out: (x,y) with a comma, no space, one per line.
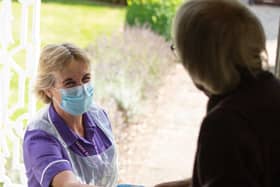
(99,115)
(41,137)
(39,120)
(40,124)
(97,111)
(95,108)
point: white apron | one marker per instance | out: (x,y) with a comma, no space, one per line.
(99,170)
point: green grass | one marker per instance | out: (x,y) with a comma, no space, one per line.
(76,21)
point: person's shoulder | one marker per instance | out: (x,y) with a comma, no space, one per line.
(98,113)
(221,128)
(271,84)
(95,108)
(251,99)
(223,121)
(39,120)
(40,125)
(38,137)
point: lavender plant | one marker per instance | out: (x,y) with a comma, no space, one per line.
(128,67)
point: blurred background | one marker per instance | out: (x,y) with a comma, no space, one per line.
(154,108)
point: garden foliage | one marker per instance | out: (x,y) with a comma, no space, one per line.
(156,14)
(121,2)
(128,66)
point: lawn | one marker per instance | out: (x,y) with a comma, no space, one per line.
(76,21)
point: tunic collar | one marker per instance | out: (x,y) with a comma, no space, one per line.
(69,136)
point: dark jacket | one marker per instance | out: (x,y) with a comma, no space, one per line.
(239,140)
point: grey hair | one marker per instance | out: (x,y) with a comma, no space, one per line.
(217,38)
(53,58)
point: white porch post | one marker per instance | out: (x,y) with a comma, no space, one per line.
(17,104)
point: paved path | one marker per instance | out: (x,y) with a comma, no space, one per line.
(164,149)
(163,145)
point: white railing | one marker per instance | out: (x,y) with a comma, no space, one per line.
(19,55)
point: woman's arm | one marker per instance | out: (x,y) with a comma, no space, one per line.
(67,179)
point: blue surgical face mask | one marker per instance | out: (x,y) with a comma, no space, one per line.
(76,100)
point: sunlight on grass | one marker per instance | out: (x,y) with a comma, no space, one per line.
(79,22)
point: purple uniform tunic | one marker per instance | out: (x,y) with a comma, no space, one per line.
(45,156)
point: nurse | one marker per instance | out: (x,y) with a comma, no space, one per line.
(70,142)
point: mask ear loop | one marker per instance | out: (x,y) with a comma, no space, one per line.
(87,91)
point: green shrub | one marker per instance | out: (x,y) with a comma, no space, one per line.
(118,2)
(128,68)
(156,14)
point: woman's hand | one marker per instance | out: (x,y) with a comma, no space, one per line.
(67,179)
(181,183)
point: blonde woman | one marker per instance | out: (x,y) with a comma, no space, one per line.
(70,143)
(221,44)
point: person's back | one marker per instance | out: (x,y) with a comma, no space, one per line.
(263,111)
(244,129)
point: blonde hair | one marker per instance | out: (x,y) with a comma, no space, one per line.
(55,57)
(217,38)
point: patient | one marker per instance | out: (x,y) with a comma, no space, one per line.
(221,44)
